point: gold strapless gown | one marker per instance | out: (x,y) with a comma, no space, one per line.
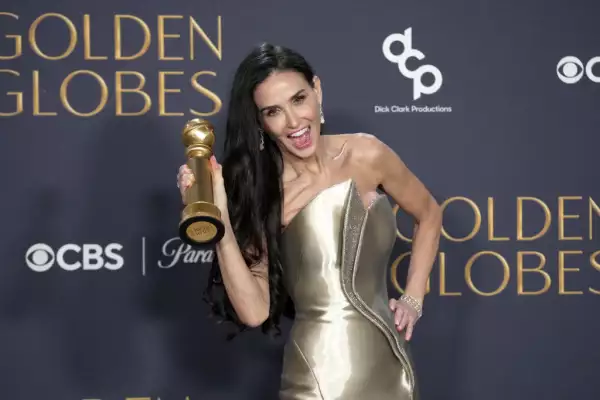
(343,344)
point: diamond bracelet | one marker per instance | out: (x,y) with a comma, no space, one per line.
(414,303)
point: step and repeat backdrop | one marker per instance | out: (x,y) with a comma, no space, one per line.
(494,105)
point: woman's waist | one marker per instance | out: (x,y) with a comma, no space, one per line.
(325,313)
(325,317)
(335,306)
(348,331)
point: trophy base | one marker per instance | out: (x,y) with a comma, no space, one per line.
(201,224)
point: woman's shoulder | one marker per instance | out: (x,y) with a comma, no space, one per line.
(360,138)
(362,145)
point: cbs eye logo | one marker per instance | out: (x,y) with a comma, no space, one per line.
(570,69)
(90,257)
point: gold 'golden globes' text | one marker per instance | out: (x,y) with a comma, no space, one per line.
(541,264)
(167,32)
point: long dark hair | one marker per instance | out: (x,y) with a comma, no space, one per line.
(253,181)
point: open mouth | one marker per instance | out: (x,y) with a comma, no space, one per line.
(299,133)
(301,138)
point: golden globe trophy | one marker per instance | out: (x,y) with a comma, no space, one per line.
(201,222)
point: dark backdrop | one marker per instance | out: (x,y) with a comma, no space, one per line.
(99,299)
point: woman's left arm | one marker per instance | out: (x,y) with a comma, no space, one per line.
(413,197)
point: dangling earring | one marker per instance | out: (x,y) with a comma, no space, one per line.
(322,117)
(262,139)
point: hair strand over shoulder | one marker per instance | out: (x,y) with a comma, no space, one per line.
(253,181)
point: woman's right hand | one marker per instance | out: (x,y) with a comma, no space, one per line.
(185,179)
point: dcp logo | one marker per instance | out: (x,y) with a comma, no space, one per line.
(570,69)
(90,257)
(417,75)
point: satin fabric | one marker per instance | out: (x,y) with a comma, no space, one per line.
(343,344)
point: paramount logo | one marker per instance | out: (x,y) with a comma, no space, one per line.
(174,251)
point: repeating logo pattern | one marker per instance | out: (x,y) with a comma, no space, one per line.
(419,88)
(571,69)
(40,257)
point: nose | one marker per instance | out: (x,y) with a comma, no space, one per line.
(292,119)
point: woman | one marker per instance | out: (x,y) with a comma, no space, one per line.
(303,218)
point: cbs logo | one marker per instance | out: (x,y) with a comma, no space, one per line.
(70,257)
(570,69)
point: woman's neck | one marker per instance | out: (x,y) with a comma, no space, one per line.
(314,165)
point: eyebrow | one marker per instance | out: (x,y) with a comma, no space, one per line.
(295,94)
